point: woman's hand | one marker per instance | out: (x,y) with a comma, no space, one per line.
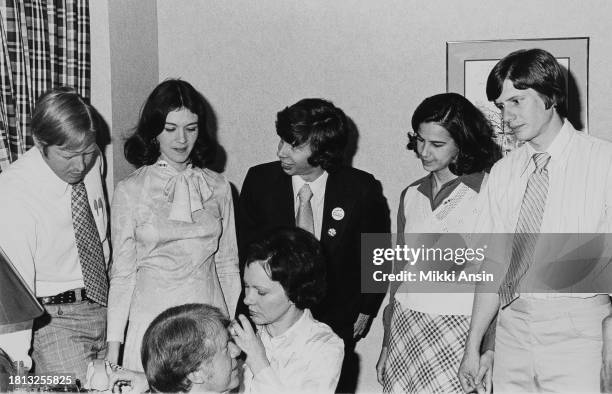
(97,375)
(485,372)
(380,365)
(468,370)
(250,343)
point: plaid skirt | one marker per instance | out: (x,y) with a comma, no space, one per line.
(424,352)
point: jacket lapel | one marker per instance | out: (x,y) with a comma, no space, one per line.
(282,202)
(337,210)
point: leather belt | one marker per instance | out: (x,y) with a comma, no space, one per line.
(67,297)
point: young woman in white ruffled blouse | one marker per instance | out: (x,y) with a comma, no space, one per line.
(173,232)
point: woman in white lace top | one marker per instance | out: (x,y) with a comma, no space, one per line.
(173,231)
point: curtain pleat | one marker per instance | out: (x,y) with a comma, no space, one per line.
(45,43)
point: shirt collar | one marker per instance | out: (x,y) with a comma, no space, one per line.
(557,149)
(161,163)
(317,186)
(473,181)
(294,331)
(46,176)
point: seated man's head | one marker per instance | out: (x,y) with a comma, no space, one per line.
(188,348)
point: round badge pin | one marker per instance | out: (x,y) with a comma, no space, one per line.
(338,213)
(331,232)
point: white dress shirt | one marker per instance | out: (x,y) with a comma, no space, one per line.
(36,230)
(317,201)
(305,358)
(579,193)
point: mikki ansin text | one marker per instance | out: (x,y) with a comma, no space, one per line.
(411,256)
(433,276)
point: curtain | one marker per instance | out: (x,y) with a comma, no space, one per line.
(45,43)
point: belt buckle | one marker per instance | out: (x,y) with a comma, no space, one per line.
(70,297)
(80,295)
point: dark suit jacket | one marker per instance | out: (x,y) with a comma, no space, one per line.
(267,201)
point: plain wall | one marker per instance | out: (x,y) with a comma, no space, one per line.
(376,60)
(134,72)
(101,75)
(123,71)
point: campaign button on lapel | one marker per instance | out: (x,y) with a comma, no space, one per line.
(338,213)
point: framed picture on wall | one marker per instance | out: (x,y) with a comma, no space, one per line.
(468,64)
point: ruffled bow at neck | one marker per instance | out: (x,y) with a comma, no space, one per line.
(186,191)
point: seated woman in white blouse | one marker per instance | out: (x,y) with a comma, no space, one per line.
(291,351)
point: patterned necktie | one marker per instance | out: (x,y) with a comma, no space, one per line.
(527,228)
(89,246)
(305,218)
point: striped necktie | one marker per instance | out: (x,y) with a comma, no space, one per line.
(305,218)
(89,246)
(527,229)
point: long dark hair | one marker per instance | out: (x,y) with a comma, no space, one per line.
(142,147)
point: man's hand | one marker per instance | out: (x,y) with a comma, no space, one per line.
(102,376)
(605,374)
(119,377)
(360,328)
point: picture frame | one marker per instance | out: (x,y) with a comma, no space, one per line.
(468,64)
